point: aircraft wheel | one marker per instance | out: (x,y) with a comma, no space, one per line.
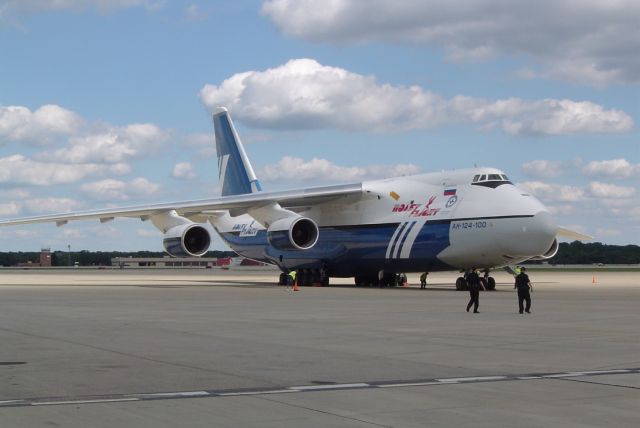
(283,279)
(491,283)
(461,284)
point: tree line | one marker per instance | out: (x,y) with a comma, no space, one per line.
(568,253)
(578,252)
(88,258)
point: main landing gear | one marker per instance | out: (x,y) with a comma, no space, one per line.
(307,277)
(389,279)
(489,282)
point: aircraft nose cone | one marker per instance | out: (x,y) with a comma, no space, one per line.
(533,236)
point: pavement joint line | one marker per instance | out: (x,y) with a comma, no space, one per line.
(275,391)
(173,394)
(114,398)
(329,387)
(473,379)
(403,385)
(97,401)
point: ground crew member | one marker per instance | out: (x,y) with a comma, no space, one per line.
(474,284)
(292,277)
(402,280)
(423,280)
(524,287)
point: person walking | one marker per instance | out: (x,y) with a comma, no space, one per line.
(474,284)
(423,280)
(523,284)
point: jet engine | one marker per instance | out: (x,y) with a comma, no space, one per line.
(186,240)
(293,233)
(550,252)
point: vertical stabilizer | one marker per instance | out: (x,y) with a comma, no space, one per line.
(235,172)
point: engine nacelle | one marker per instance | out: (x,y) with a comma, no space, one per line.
(552,251)
(187,240)
(293,233)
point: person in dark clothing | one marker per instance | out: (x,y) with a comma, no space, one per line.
(474,284)
(423,280)
(523,284)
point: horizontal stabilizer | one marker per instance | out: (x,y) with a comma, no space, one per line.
(572,234)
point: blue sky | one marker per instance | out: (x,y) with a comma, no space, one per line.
(107,103)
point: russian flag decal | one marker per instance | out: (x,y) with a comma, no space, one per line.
(449,192)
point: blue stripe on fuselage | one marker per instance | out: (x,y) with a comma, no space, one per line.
(352,250)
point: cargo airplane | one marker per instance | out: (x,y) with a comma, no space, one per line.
(451,220)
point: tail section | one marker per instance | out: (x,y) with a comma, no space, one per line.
(234,169)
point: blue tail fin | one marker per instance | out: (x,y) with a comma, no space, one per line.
(234,169)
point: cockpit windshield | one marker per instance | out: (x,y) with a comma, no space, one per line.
(491,178)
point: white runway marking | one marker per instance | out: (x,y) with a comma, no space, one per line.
(332,386)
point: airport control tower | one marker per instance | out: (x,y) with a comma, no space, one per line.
(45,257)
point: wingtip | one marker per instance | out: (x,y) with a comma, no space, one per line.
(572,234)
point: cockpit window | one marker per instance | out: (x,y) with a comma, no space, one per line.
(491,181)
(499,179)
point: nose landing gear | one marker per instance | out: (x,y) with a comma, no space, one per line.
(489,282)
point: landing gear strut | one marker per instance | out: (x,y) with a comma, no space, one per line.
(307,277)
(488,281)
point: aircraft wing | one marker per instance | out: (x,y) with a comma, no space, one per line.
(572,234)
(237,204)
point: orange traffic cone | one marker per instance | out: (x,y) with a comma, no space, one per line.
(593,280)
(295,285)
(405,284)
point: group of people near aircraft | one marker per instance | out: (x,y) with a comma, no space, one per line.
(522,284)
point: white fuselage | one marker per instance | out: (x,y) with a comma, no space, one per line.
(432,221)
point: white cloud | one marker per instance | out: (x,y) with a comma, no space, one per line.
(562,209)
(114,145)
(194,13)
(632,213)
(73,233)
(205,143)
(10,233)
(304,94)
(148,233)
(553,192)
(17,169)
(605,190)
(9,209)
(296,169)
(16,193)
(183,171)
(543,168)
(120,168)
(116,190)
(52,205)
(19,124)
(581,41)
(602,232)
(618,168)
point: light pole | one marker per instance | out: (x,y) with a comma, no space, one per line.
(69,252)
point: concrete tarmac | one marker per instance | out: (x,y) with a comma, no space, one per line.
(202,348)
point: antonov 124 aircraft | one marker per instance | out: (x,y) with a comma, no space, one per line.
(451,220)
